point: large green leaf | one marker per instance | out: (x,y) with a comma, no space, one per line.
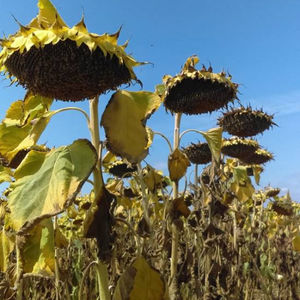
(38,250)
(124,121)
(47,182)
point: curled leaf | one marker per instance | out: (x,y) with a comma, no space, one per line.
(178,163)
(124,122)
(214,140)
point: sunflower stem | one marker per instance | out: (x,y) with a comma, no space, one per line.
(145,202)
(95,135)
(196,181)
(102,279)
(165,138)
(56,254)
(19,269)
(73,108)
(175,233)
(187,131)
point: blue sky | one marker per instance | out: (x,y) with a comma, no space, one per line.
(258,42)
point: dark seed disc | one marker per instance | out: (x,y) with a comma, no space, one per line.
(245,122)
(272,192)
(196,96)
(239,149)
(122,170)
(66,72)
(198,153)
(257,158)
(282,209)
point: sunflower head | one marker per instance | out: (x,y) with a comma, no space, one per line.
(239,148)
(272,192)
(121,169)
(260,156)
(198,153)
(283,208)
(195,91)
(245,122)
(56,61)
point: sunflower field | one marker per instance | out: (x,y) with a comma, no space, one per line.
(138,233)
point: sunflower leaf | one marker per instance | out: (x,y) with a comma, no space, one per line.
(46,183)
(124,123)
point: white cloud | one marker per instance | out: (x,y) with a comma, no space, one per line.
(281,105)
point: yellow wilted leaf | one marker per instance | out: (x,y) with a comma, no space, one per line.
(6,247)
(241,186)
(21,130)
(60,239)
(5,174)
(257,169)
(177,164)
(108,158)
(150,136)
(153,178)
(243,193)
(214,140)
(38,251)
(296,242)
(124,123)
(140,281)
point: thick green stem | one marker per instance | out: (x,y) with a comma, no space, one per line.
(175,234)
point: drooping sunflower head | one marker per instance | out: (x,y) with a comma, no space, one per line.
(198,153)
(283,208)
(71,64)
(239,148)
(121,169)
(245,122)
(195,91)
(260,156)
(272,192)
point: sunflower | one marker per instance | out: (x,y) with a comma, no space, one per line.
(198,91)
(53,60)
(198,153)
(121,169)
(260,156)
(245,122)
(239,148)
